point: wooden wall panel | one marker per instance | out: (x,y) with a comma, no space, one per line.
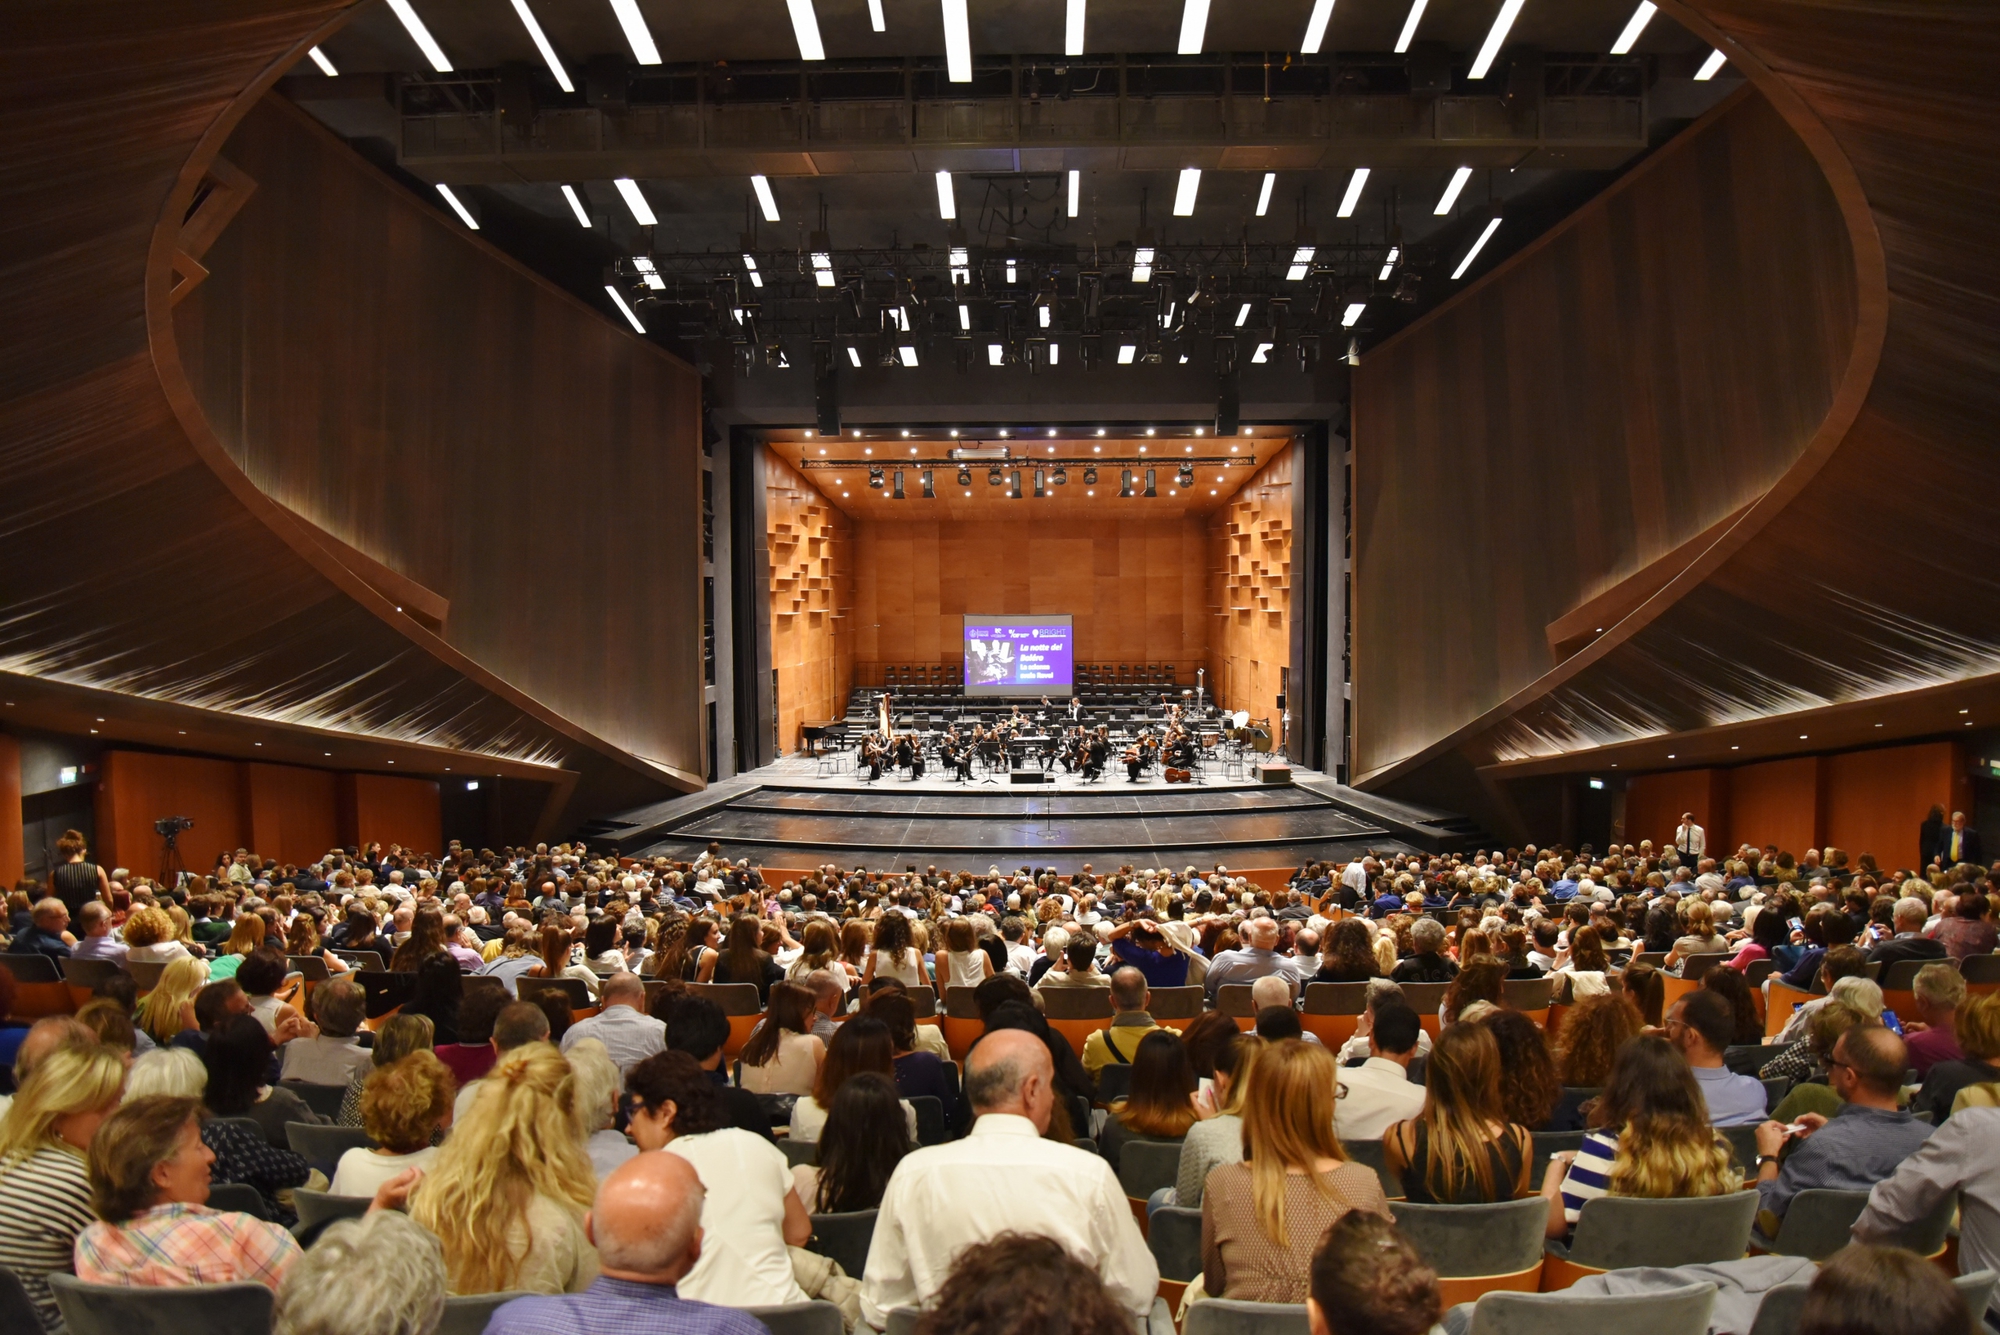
(289,813)
(811,546)
(13,853)
(1873,801)
(1248,594)
(136,788)
(1776,802)
(1134,587)
(382,809)
(464,423)
(1653,363)
(1654,803)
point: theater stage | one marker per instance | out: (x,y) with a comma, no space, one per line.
(788,815)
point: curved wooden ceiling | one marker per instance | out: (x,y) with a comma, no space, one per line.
(1858,589)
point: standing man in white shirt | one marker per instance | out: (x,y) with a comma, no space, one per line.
(1690,839)
(1377,1094)
(1003,1178)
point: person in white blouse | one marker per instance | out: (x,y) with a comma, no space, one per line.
(1005,1177)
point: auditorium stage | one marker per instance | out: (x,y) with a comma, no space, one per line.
(788,815)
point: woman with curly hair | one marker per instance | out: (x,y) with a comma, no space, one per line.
(150,937)
(669,958)
(1347,955)
(895,954)
(1650,1137)
(1529,1087)
(1023,1284)
(507,1194)
(1592,1032)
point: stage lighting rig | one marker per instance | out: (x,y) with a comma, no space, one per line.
(1090,475)
(875,477)
(994,477)
(965,477)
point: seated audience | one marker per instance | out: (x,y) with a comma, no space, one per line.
(1347,955)
(1582,968)
(518,1024)
(1909,942)
(1367,1279)
(1859,1145)
(440,992)
(1218,1138)
(1699,936)
(918,1073)
(597,1105)
(1381,992)
(1461,1149)
(1160,1104)
(623,1027)
(782,1056)
(698,1027)
(168,1010)
(1862,1290)
(1955,1160)
(1701,1024)
(1530,1089)
(1131,1021)
(1377,1094)
(402,1035)
(507,1192)
(238,1058)
(402,1107)
(859,1147)
(893,955)
(149,1185)
(1006,1176)
(744,960)
(1427,962)
(749,1215)
(333,1056)
(242,1155)
(1647,990)
(1077,967)
(1977,1028)
(44,1175)
(1969,930)
(1939,990)
(646,1226)
(97,943)
(46,933)
(1838,963)
(1023,1284)
(1261,1219)
(261,975)
(472,1055)
(1650,1136)
(863,1044)
(1735,989)
(376,1275)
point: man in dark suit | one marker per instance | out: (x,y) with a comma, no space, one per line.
(1959,844)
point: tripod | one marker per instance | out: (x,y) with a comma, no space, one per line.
(171,866)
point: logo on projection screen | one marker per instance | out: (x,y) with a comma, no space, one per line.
(1018,656)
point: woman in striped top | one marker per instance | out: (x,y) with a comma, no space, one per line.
(44,1178)
(1649,1137)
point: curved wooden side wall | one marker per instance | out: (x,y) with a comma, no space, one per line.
(1859,574)
(141,562)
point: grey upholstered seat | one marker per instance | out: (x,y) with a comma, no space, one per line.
(1463,1241)
(1174,1234)
(468,1315)
(845,1238)
(1681,1311)
(1227,1316)
(193,1309)
(1616,1232)
(1144,1166)
(817,1317)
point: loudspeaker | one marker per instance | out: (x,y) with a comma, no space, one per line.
(826,397)
(1273,772)
(1228,407)
(1029,776)
(1430,69)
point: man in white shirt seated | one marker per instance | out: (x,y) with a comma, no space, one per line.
(1381,992)
(623,1027)
(1003,1178)
(1377,1094)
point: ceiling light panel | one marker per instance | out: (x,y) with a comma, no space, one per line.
(637,35)
(805,26)
(421,35)
(628,190)
(541,41)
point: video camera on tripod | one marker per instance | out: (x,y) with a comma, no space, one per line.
(169,828)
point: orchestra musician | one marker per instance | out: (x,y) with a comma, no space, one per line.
(1096,753)
(1140,754)
(872,752)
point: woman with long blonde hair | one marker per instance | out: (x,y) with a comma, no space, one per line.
(44,1177)
(1261,1219)
(1461,1149)
(246,936)
(507,1193)
(1650,1137)
(168,1010)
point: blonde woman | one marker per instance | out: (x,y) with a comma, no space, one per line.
(1649,1137)
(44,1177)
(508,1192)
(149,937)
(168,1010)
(1698,935)
(244,937)
(1261,1219)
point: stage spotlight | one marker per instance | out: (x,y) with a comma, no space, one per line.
(1060,477)
(1090,475)
(930,487)
(897,490)
(1185,478)
(1040,490)
(965,477)
(875,478)
(993,477)
(1152,492)
(1125,482)
(1014,487)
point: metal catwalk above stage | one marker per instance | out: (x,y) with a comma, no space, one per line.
(787,815)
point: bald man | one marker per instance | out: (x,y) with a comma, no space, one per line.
(623,1027)
(1004,1177)
(1256,958)
(646,1226)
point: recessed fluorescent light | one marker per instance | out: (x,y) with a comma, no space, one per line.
(1492,226)
(464,214)
(1012,272)
(614,294)
(325,65)
(637,35)
(907,355)
(1504,20)
(1710,67)
(1125,354)
(1243,315)
(1264,195)
(1450,197)
(542,45)
(765,200)
(854,360)
(805,26)
(1352,316)
(1353,195)
(1055,353)
(822,265)
(957,42)
(902,318)
(421,36)
(1316,26)
(1301,265)
(875,21)
(1194,24)
(628,189)
(995,354)
(947,206)
(1075,189)
(1410,24)
(1184,194)
(1142,264)
(1633,27)
(965,318)
(1389,263)
(1073,29)
(576,206)
(1044,311)
(1263,353)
